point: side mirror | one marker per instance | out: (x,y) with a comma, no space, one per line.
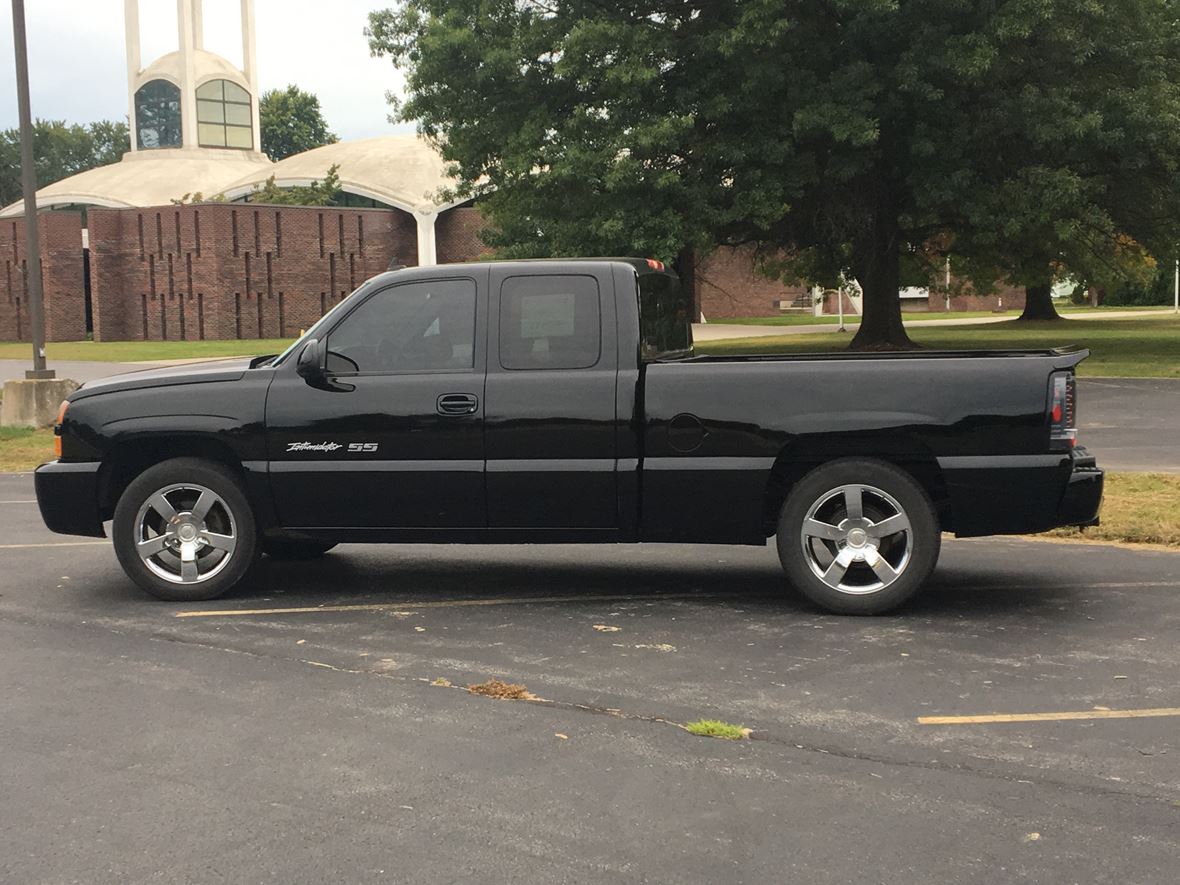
(312,364)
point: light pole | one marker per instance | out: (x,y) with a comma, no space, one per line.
(948,283)
(29,187)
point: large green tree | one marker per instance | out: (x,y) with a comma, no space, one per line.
(1088,188)
(861,136)
(60,150)
(291,122)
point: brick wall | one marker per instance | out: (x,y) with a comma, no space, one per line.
(457,236)
(60,235)
(730,285)
(1005,298)
(233,270)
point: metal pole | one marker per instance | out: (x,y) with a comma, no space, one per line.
(29,186)
(1176,295)
(840,301)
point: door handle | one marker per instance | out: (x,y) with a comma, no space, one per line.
(458,404)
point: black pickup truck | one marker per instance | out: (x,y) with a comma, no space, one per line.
(561,401)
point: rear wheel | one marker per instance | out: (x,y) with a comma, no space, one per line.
(858,536)
(184,531)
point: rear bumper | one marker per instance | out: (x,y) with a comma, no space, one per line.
(1082,498)
(67,494)
(1021,494)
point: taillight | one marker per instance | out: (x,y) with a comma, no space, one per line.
(655,265)
(1063,411)
(61,416)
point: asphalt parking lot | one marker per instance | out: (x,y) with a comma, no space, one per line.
(302,730)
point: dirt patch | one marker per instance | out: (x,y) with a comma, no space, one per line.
(505,691)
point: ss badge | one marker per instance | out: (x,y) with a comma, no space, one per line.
(362,447)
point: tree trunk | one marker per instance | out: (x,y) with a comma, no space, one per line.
(1038,303)
(877,264)
(685,266)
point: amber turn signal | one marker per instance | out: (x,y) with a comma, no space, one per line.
(61,416)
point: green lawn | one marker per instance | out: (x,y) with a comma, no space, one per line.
(1136,508)
(139,351)
(1148,347)
(23,448)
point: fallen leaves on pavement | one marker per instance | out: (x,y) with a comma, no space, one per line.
(505,691)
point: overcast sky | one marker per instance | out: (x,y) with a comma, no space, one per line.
(78,68)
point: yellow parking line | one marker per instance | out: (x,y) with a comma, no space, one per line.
(446,603)
(54,544)
(1049,717)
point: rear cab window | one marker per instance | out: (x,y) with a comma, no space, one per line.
(550,322)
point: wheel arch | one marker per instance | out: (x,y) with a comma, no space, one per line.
(130,457)
(803,454)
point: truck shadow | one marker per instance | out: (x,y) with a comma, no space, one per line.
(750,579)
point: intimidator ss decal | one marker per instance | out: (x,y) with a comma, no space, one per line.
(352,448)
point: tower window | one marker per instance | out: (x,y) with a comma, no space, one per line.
(157,115)
(223,116)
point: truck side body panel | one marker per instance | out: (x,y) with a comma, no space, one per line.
(715,429)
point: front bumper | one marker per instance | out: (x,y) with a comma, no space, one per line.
(67,494)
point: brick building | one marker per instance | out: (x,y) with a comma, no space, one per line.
(226,270)
(62,276)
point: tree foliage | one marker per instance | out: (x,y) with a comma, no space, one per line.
(318,192)
(860,136)
(322,192)
(60,150)
(291,122)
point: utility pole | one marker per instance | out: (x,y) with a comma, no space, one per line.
(29,186)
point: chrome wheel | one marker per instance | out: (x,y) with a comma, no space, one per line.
(857,539)
(185,533)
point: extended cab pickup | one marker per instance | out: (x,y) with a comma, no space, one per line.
(561,401)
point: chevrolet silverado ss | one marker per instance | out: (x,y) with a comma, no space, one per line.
(561,401)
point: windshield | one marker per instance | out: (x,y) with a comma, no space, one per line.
(314,332)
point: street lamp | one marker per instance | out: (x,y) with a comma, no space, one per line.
(29,188)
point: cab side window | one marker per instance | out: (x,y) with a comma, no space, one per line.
(550,322)
(415,327)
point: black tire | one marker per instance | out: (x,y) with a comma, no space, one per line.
(292,550)
(836,538)
(229,520)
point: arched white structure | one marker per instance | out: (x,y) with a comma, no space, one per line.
(402,171)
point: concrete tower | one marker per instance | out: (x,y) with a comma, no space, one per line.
(191,99)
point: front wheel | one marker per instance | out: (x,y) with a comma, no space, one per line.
(184,531)
(858,536)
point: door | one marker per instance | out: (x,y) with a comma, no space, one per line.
(550,414)
(394,439)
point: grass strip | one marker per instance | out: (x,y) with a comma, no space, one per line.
(23,448)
